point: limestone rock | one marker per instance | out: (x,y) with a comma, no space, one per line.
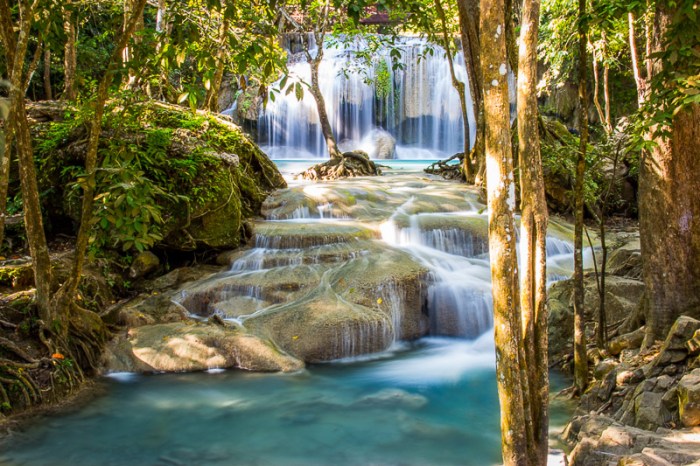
(188,346)
(650,411)
(626,341)
(674,349)
(144,263)
(689,399)
(384,145)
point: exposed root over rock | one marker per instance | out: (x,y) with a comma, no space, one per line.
(447,170)
(351,164)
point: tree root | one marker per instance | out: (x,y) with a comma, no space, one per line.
(351,164)
(449,171)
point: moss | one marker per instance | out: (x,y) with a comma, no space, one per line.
(168,175)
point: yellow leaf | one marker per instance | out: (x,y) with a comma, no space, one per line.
(380,301)
(295,337)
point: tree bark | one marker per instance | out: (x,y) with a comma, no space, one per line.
(634,54)
(533,237)
(48,93)
(212,98)
(580,356)
(16,50)
(669,212)
(459,87)
(70,54)
(130,6)
(469,30)
(502,247)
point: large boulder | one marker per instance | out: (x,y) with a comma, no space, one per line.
(622,298)
(186,182)
(689,399)
(190,346)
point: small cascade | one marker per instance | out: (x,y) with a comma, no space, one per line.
(415,103)
(413,261)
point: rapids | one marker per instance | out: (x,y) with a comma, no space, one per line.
(388,401)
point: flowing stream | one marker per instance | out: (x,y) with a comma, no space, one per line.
(387,401)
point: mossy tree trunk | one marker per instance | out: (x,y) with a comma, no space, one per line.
(500,187)
(580,356)
(15,41)
(533,236)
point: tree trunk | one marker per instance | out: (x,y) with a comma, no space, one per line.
(160,16)
(16,50)
(212,99)
(5,159)
(130,6)
(580,356)
(66,294)
(636,70)
(70,59)
(459,87)
(48,93)
(606,82)
(469,29)
(533,235)
(669,212)
(502,248)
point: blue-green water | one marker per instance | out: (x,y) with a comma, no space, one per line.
(432,403)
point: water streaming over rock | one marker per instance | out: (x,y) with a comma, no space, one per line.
(415,103)
(344,269)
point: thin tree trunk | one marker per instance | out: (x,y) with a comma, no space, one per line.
(458,85)
(212,99)
(16,50)
(469,28)
(606,82)
(502,248)
(70,54)
(636,71)
(5,164)
(533,234)
(48,93)
(131,6)
(596,87)
(66,294)
(580,356)
(161,16)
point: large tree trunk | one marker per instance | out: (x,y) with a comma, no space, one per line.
(502,248)
(469,28)
(533,236)
(70,54)
(580,356)
(669,212)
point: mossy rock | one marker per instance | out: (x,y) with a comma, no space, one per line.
(197,172)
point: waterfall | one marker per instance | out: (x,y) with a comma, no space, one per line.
(414,102)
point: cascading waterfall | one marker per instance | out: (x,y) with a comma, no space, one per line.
(415,103)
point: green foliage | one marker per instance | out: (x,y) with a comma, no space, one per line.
(382,79)
(676,85)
